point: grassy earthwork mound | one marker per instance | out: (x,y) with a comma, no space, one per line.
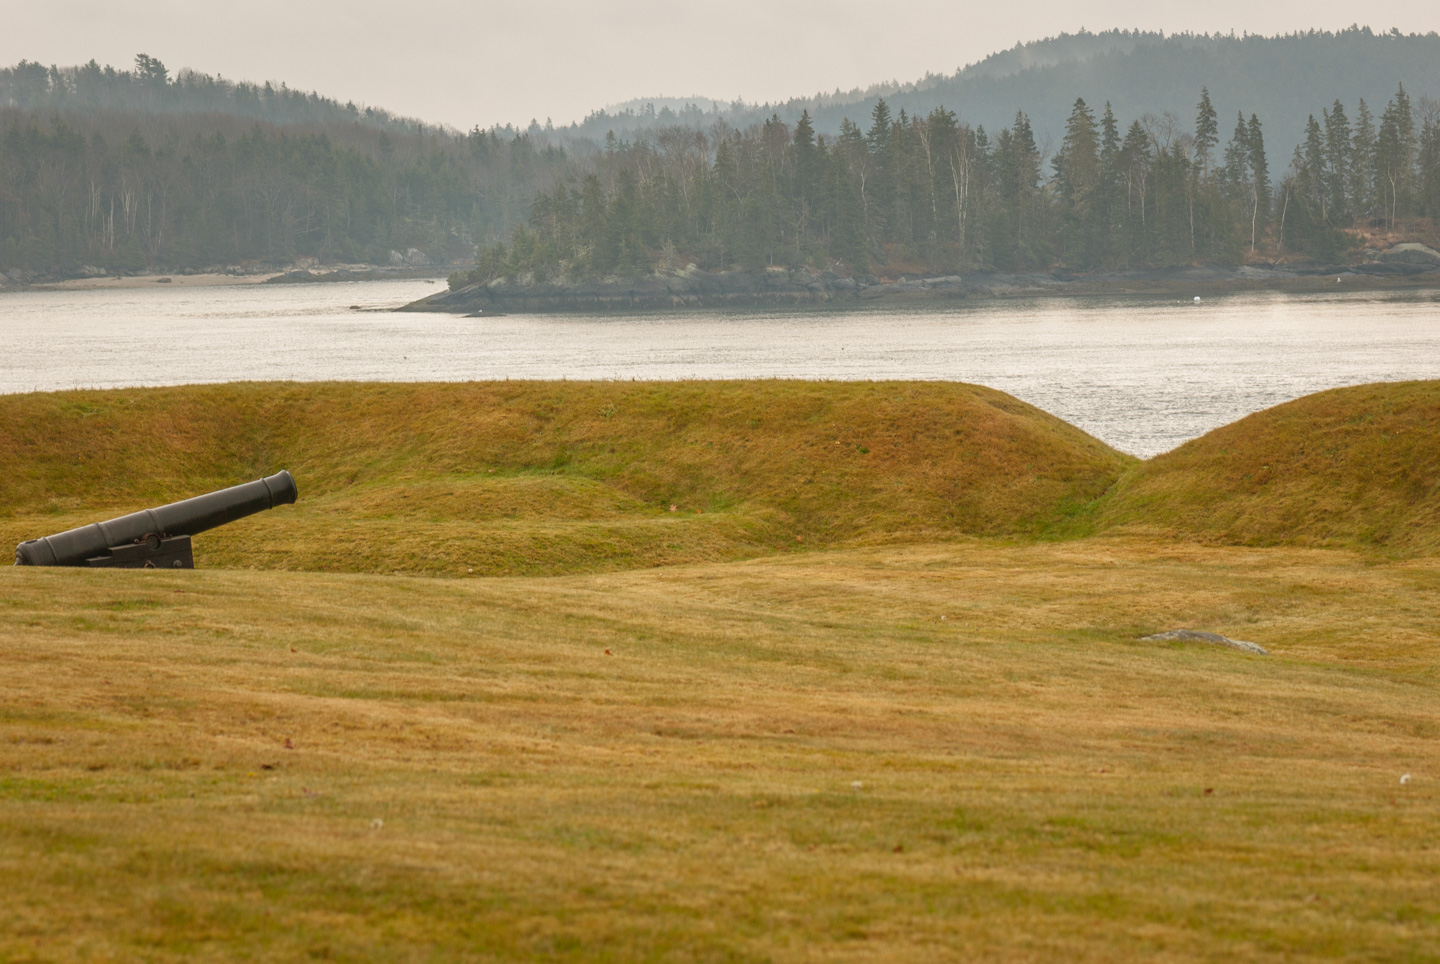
(1352,467)
(551,477)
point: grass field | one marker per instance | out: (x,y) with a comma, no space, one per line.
(907,736)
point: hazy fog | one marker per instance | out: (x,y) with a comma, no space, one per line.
(464,62)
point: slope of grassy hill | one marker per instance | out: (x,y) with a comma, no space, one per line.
(1356,467)
(537,477)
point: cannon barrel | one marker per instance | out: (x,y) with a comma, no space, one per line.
(93,544)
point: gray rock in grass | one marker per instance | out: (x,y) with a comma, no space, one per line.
(1215,639)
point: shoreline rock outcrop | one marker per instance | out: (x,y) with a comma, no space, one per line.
(691,287)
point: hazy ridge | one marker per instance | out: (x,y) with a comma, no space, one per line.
(1277,78)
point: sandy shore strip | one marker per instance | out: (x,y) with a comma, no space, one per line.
(212,280)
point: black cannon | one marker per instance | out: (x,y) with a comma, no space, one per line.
(156,538)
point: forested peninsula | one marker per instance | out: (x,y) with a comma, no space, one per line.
(777,214)
(107,172)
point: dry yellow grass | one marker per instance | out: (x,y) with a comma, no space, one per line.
(546,477)
(1033,783)
(1349,467)
(897,748)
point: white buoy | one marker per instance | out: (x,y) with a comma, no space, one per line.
(1197,299)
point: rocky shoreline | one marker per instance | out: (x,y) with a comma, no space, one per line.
(1403,266)
(401,265)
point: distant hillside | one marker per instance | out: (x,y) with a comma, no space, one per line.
(119,171)
(1277,78)
(150,89)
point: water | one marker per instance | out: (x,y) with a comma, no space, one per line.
(1142,374)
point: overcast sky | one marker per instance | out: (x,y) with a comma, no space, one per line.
(468,62)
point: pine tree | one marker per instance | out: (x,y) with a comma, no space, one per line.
(859,185)
(880,191)
(852,167)
(1207,133)
(1428,188)
(1174,180)
(1362,163)
(805,164)
(1394,158)
(1025,166)
(1312,164)
(878,137)
(1236,172)
(1259,180)
(1110,202)
(954,146)
(1077,171)
(907,217)
(1337,162)
(1135,169)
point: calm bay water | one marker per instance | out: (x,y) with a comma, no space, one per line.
(1142,374)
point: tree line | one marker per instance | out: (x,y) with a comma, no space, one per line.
(932,194)
(1279,78)
(91,175)
(151,88)
(134,170)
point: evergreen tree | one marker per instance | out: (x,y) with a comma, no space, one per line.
(1207,132)
(1428,164)
(1337,162)
(910,206)
(1016,240)
(856,180)
(805,160)
(1302,221)
(1394,157)
(1174,184)
(1236,171)
(1310,163)
(1362,163)
(1077,173)
(955,147)
(1246,176)
(1110,203)
(1135,169)
(880,140)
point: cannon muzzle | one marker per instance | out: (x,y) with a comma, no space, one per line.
(160,537)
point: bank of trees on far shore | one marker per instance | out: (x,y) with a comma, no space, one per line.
(932,194)
(129,170)
(124,171)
